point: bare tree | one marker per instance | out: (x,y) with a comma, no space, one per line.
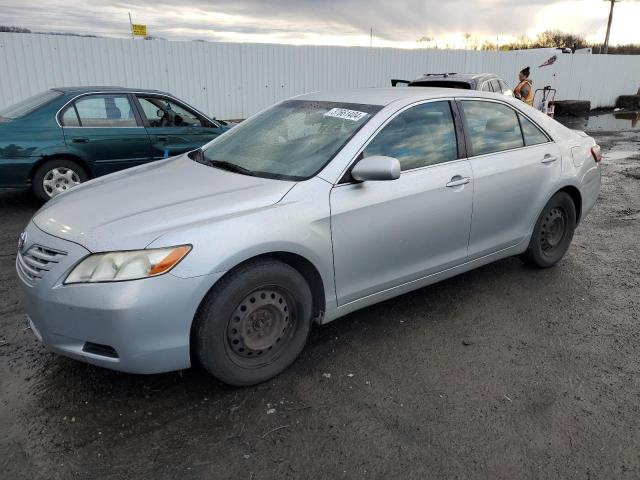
(5,28)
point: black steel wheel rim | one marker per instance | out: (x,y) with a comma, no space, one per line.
(261,326)
(553,230)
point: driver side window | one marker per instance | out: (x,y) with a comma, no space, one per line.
(418,137)
(161,112)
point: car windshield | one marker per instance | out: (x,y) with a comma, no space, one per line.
(293,140)
(28,105)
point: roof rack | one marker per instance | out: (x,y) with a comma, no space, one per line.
(439,74)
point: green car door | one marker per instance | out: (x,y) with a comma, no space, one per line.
(106,131)
(173,127)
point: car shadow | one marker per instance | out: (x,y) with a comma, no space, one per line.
(443,299)
(71,410)
(104,400)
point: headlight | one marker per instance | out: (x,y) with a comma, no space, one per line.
(128,265)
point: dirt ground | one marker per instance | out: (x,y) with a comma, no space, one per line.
(503,372)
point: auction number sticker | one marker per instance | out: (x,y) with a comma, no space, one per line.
(346,114)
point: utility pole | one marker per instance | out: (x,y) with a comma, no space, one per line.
(131,27)
(605,47)
(371,37)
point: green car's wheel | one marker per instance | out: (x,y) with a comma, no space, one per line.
(57,176)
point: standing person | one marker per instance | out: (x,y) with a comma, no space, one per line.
(524,90)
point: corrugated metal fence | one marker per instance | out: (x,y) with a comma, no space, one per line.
(230,80)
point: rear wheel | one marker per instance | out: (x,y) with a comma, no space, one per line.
(553,232)
(57,176)
(254,323)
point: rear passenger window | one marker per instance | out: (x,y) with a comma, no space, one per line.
(493,127)
(532,134)
(504,87)
(69,118)
(420,136)
(105,111)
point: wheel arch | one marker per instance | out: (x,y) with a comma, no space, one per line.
(576,196)
(304,266)
(60,156)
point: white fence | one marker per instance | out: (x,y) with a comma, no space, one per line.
(230,80)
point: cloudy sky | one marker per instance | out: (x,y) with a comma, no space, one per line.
(395,23)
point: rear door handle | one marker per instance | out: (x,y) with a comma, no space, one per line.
(458,180)
(80,140)
(162,139)
(549,158)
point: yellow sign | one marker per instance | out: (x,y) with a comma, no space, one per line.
(140,30)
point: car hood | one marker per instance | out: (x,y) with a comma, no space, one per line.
(130,209)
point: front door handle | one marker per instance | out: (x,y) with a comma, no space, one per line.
(549,158)
(458,181)
(162,139)
(80,140)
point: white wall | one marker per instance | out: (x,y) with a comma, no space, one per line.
(230,80)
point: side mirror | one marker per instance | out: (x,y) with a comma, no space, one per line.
(376,168)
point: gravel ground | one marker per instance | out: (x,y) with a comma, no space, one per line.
(503,372)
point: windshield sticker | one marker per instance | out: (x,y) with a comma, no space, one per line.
(346,114)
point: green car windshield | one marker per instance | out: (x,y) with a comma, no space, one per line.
(293,140)
(28,105)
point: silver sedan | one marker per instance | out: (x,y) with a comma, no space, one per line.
(309,210)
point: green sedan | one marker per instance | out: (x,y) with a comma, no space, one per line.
(64,136)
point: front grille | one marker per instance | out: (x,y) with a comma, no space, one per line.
(37,261)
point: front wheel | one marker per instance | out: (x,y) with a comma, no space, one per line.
(553,232)
(254,323)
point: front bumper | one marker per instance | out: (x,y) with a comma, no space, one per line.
(144,323)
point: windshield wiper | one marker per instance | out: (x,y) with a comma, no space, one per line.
(198,156)
(231,167)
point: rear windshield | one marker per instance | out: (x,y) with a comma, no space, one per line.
(441,84)
(28,105)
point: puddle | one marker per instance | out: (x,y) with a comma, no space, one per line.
(619,154)
(632,173)
(627,214)
(605,122)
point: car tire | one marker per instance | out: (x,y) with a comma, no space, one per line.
(56,176)
(553,232)
(254,323)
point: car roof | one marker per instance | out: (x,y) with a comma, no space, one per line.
(456,76)
(103,88)
(387,95)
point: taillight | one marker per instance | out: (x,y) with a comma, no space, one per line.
(597,153)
